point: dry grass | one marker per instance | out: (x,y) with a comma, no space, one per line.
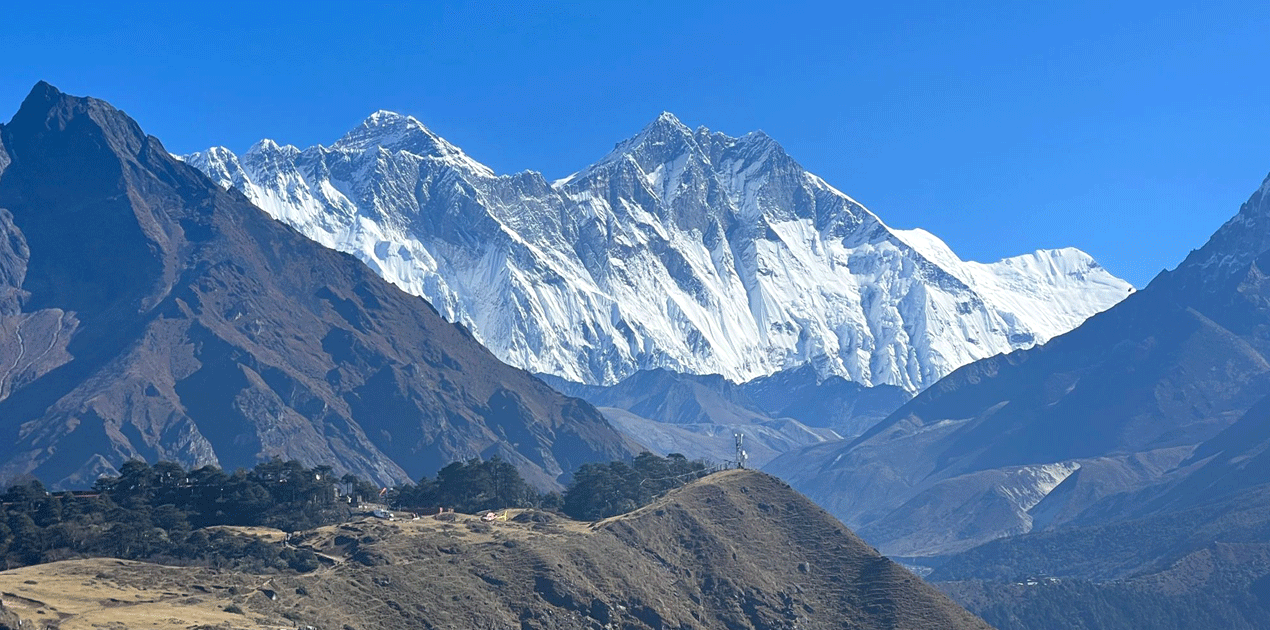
(268,534)
(116,594)
(736,550)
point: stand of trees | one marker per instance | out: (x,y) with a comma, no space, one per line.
(604,490)
(473,486)
(162,512)
(159,512)
(597,491)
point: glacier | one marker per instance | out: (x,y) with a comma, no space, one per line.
(688,250)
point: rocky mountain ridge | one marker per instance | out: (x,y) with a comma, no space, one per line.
(148,313)
(692,251)
(1141,412)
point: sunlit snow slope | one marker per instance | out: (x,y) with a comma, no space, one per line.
(687,250)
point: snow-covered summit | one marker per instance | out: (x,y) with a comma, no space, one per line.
(683,249)
(664,135)
(394,132)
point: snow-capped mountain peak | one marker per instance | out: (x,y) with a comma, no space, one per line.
(661,140)
(270,146)
(688,250)
(664,125)
(395,132)
(222,166)
(391,131)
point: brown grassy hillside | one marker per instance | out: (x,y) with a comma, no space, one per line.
(736,550)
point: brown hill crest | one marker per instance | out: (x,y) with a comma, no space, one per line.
(737,550)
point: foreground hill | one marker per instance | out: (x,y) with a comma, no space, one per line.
(688,250)
(736,550)
(147,313)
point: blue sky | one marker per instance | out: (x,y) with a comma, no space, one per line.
(1130,131)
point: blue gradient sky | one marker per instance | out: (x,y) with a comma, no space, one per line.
(1130,131)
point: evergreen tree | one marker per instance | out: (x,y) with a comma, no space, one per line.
(603,490)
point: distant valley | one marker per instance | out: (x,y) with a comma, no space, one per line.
(698,416)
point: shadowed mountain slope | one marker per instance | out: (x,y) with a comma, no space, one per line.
(1117,475)
(1047,437)
(149,313)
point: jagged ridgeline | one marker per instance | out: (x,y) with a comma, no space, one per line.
(688,250)
(1117,420)
(1129,460)
(147,313)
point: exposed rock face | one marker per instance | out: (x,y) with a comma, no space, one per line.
(691,251)
(1088,429)
(147,312)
